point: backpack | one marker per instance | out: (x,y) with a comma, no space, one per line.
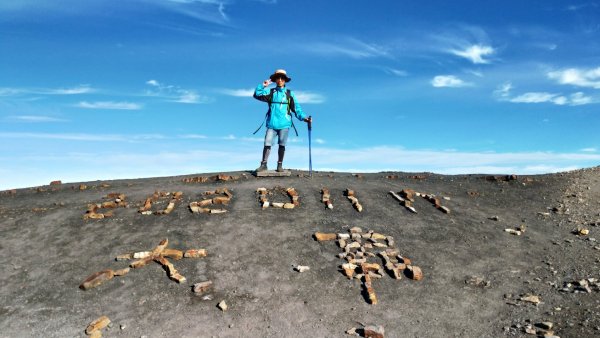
(291,107)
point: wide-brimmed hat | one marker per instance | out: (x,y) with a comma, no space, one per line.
(280,72)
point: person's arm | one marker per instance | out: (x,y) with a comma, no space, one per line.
(300,115)
(262,91)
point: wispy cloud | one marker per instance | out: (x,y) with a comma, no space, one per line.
(308,97)
(109,105)
(589,150)
(68,91)
(539,97)
(65,136)
(396,72)
(349,47)
(503,90)
(238,92)
(174,93)
(574,99)
(449,81)
(577,77)
(475,53)
(301,96)
(193,136)
(36,118)
(213,11)
(82,137)
(83,89)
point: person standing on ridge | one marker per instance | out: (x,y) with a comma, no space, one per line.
(282,103)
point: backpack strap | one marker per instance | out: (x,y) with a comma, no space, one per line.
(269,100)
(290,103)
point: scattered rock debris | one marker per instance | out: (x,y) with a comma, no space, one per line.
(146,209)
(302,268)
(477,282)
(406,197)
(374,331)
(197,179)
(370,331)
(326,198)
(586,285)
(115,200)
(95,327)
(533,299)
(518,231)
(351,195)
(221,197)
(263,194)
(223,177)
(222,305)
(502,178)
(358,247)
(542,329)
(159,254)
(201,287)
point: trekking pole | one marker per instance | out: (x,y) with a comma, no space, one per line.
(309,146)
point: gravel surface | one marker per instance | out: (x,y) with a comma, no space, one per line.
(479,280)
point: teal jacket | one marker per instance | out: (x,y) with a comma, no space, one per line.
(277,116)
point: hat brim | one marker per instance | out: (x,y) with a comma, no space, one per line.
(276,75)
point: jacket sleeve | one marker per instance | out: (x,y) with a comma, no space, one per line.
(261,93)
(300,115)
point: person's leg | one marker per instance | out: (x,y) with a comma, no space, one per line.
(283,136)
(266,149)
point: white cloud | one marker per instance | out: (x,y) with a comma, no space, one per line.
(66,137)
(301,96)
(535,97)
(212,11)
(589,150)
(580,99)
(319,141)
(577,77)
(475,53)
(575,99)
(238,92)
(503,90)
(193,136)
(109,105)
(350,47)
(83,137)
(188,97)
(36,118)
(68,91)
(174,93)
(308,97)
(243,155)
(396,72)
(83,89)
(448,81)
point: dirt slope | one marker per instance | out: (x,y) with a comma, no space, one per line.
(48,249)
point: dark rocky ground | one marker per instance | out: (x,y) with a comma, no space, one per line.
(47,249)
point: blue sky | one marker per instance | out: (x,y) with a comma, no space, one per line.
(106,89)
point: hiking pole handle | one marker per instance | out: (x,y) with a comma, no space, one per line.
(309,121)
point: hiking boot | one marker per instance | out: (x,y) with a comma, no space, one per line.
(263,167)
(279,167)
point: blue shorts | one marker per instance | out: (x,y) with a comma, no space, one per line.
(282,135)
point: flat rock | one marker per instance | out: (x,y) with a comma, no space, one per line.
(273,173)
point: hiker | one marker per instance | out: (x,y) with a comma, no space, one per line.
(282,103)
